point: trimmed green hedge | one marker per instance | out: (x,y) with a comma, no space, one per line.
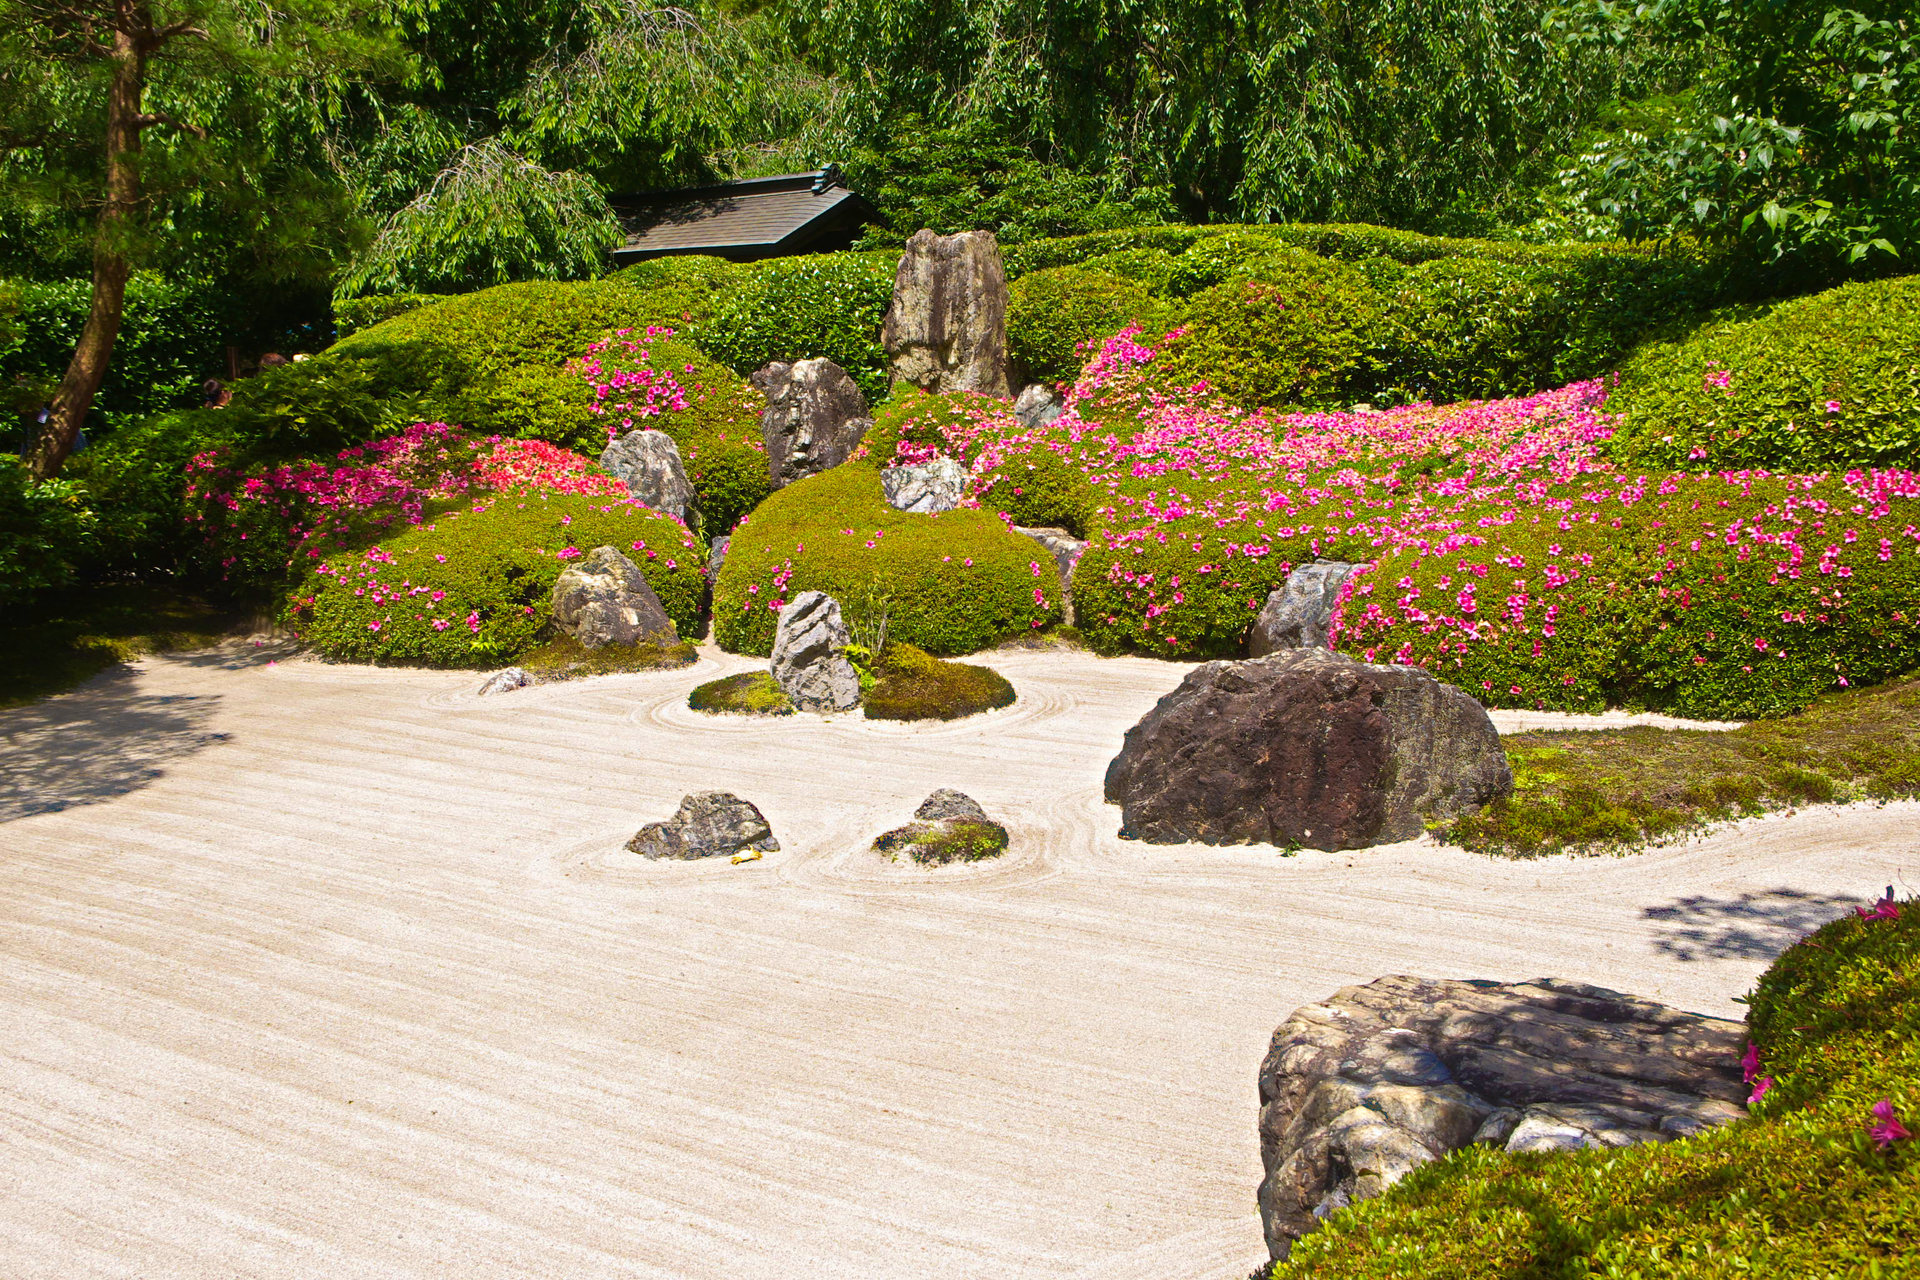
(45,529)
(948,583)
(790,309)
(1801,1189)
(474,588)
(1051,313)
(1824,381)
(351,315)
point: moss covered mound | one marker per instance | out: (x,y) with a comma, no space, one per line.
(474,588)
(948,583)
(914,685)
(565,658)
(1802,1189)
(936,844)
(1831,380)
(754,693)
(1051,313)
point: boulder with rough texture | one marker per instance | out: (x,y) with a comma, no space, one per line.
(949,826)
(947,327)
(717,558)
(506,681)
(1306,747)
(1299,615)
(1065,551)
(815,418)
(1359,1090)
(648,462)
(927,487)
(604,599)
(708,824)
(809,655)
(1037,405)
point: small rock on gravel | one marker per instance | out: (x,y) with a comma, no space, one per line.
(506,681)
(708,824)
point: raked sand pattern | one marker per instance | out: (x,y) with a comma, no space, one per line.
(312,971)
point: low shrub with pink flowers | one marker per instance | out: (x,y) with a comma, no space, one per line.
(1823,1178)
(472,587)
(1509,552)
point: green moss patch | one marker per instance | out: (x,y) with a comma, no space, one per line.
(754,693)
(66,638)
(1801,1189)
(1608,790)
(935,844)
(566,658)
(914,685)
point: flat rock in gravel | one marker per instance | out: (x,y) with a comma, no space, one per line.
(1359,1090)
(708,824)
(649,464)
(809,655)
(926,487)
(1299,614)
(603,599)
(929,838)
(506,681)
(1305,748)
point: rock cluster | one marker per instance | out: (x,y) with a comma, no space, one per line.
(949,826)
(604,599)
(1299,615)
(815,418)
(947,327)
(649,464)
(1305,747)
(708,824)
(1359,1090)
(927,487)
(1065,550)
(809,655)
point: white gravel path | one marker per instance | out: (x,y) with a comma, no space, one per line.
(313,971)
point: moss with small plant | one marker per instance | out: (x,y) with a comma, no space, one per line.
(1592,791)
(912,684)
(1822,1181)
(753,693)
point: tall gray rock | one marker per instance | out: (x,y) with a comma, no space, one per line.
(1299,614)
(604,599)
(926,487)
(1359,1090)
(649,464)
(947,327)
(815,418)
(809,655)
(1065,551)
(1306,747)
(708,824)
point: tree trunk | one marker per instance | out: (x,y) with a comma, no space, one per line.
(88,368)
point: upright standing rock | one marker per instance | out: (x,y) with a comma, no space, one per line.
(1065,551)
(815,418)
(605,599)
(1299,615)
(648,462)
(809,655)
(947,327)
(1306,747)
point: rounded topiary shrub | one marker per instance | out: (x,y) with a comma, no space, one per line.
(1299,334)
(948,583)
(1829,380)
(1051,313)
(1461,328)
(473,588)
(790,309)
(911,426)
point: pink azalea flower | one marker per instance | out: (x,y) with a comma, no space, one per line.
(1750,1062)
(1885,1129)
(1885,909)
(1760,1086)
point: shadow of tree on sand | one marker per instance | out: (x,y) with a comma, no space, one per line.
(1753,926)
(103,740)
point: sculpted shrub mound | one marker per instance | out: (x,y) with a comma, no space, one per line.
(947,583)
(1832,380)
(1821,1181)
(913,685)
(473,587)
(1051,313)
(754,693)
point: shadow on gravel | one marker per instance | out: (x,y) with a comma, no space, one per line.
(103,740)
(1753,926)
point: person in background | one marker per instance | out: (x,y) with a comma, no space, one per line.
(217,393)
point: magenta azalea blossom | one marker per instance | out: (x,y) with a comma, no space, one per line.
(1885,909)
(1750,1062)
(1885,1128)
(1760,1087)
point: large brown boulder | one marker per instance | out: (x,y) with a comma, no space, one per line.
(816,416)
(1359,1090)
(947,327)
(1306,747)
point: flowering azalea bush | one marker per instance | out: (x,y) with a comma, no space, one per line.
(648,379)
(263,526)
(948,583)
(1821,1181)
(473,586)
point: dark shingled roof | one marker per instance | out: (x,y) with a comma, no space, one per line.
(744,220)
